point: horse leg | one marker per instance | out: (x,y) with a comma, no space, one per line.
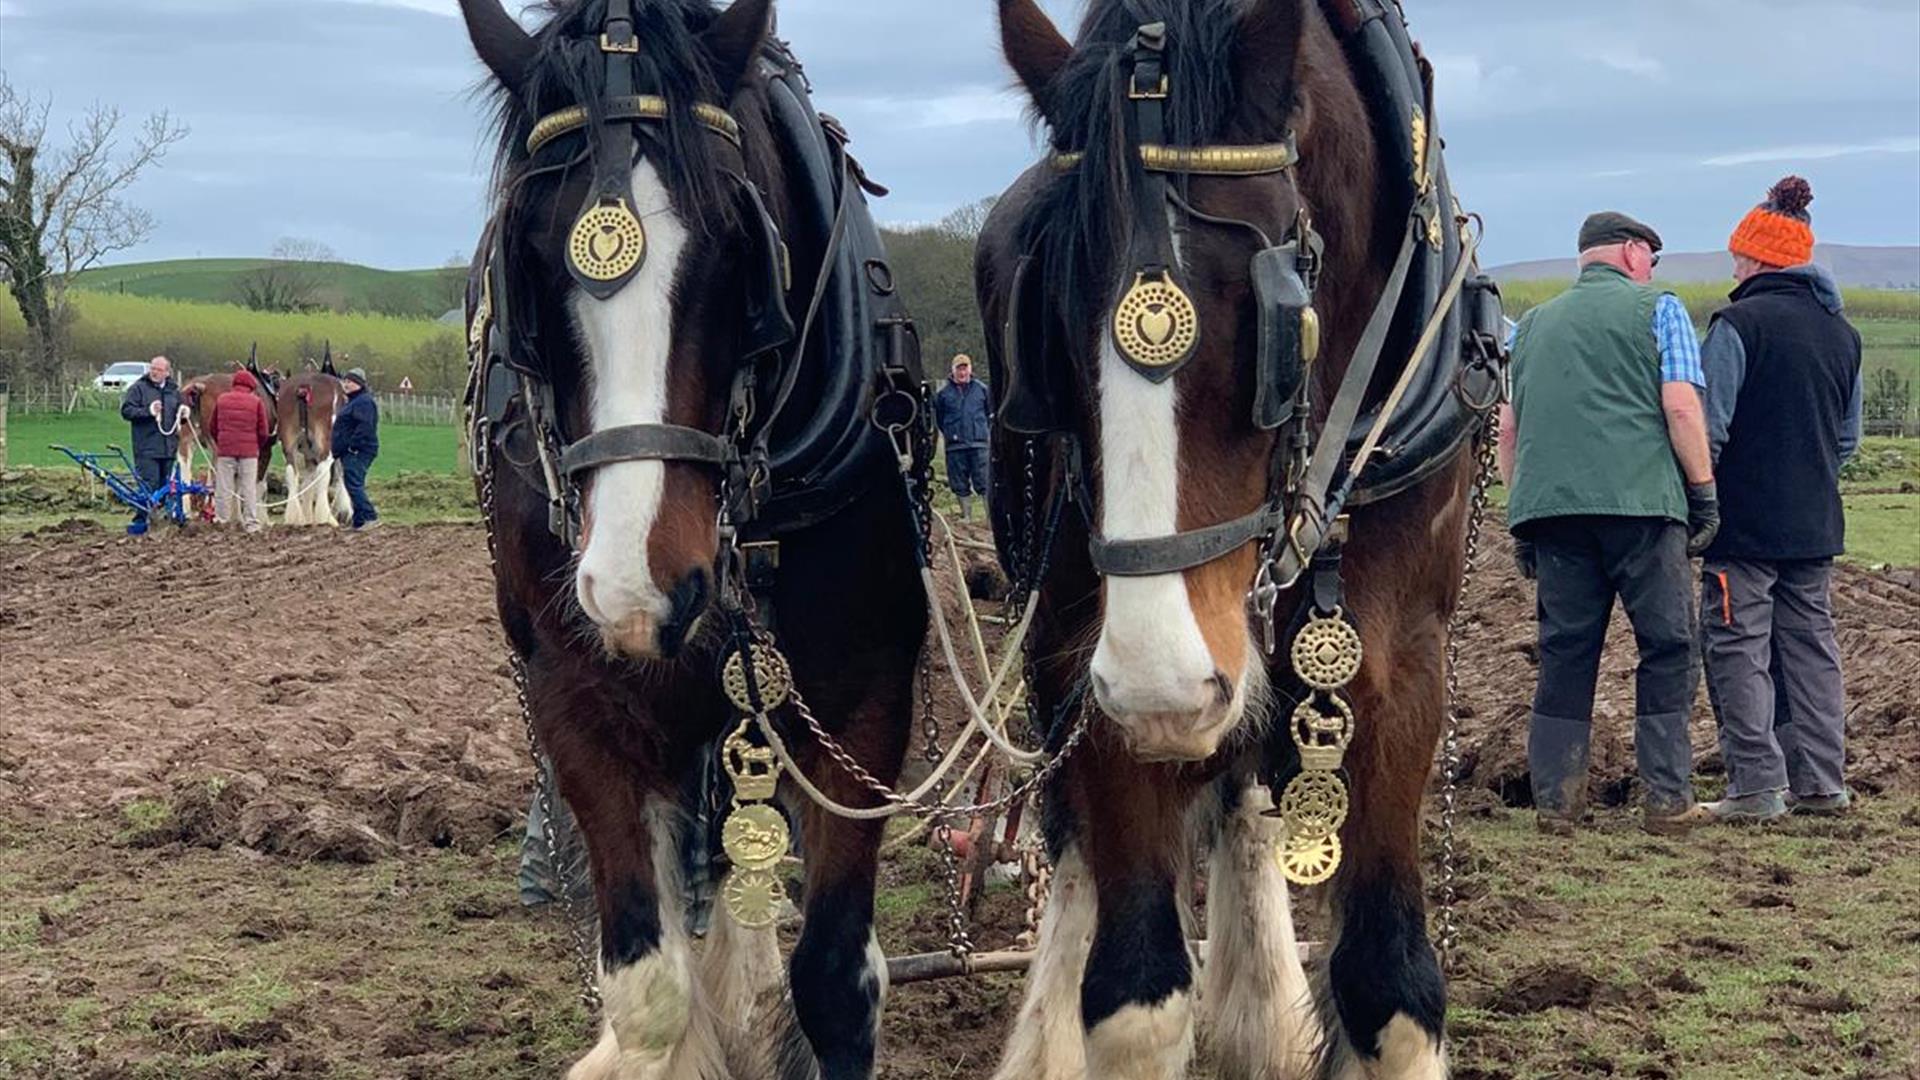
(1260,1008)
(341,508)
(738,970)
(1385,1006)
(322,495)
(838,974)
(1136,998)
(1046,1041)
(296,512)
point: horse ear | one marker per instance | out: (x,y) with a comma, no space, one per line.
(734,41)
(503,44)
(1269,40)
(1035,49)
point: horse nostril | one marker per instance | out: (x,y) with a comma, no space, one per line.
(689,602)
(1222,688)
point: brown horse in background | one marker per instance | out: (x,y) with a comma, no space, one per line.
(303,412)
(202,395)
(1178,756)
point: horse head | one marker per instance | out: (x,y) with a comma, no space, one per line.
(1177,226)
(638,188)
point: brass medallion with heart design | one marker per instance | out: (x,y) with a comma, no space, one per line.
(607,242)
(1155,324)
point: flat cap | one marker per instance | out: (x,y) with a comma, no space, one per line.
(1614,227)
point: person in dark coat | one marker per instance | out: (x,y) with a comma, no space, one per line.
(239,427)
(965,420)
(356,442)
(153,407)
(1784,403)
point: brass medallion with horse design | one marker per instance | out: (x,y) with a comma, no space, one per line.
(755,837)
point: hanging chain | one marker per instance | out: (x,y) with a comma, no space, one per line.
(583,951)
(1449,929)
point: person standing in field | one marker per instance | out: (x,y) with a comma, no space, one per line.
(1784,402)
(965,419)
(153,407)
(356,442)
(239,427)
(1610,480)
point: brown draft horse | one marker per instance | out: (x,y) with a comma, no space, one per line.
(618,632)
(201,395)
(1172,761)
(303,412)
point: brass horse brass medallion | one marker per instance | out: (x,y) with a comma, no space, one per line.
(771,676)
(753,898)
(1310,860)
(1326,654)
(1156,324)
(755,837)
(607,242)
(754,772)
(1315,804)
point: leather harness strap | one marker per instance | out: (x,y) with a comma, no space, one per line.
(644,442)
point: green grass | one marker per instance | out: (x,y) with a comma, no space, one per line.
(403,447)
(340,286)
(202,337)
(1703,299)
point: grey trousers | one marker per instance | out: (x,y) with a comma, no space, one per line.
(1773,674)
(1584,564)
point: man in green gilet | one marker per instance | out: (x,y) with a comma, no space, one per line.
(1610,480)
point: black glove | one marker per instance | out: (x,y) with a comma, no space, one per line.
(1526,559)
(1703,516)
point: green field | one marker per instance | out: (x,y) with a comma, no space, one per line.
(1703,300)
(338,286)
(403,448)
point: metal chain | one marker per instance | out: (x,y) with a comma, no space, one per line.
(1039,872)
(583,952)
(1449,929)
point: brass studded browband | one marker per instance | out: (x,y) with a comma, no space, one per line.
(633,107)
(1206,160)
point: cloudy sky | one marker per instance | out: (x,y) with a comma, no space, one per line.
(352,122)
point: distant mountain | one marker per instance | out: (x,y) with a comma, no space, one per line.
(1855,267)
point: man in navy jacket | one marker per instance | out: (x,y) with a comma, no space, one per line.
(356,442)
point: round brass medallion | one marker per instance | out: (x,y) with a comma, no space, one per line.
(753,898)
(1156,325)
(1314,804)
(770,673)
(1326,653)
(607,242)
(1310,860)
(755,837)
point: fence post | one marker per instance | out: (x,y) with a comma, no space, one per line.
(4,395)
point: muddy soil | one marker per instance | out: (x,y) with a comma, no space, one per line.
(314,698)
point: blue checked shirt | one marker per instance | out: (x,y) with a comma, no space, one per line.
(1679,346)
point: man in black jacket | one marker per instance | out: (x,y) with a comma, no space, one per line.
(1783,406)
(152,405)
(356,442)
(965,420)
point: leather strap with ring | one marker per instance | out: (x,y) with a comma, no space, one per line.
(1156,328)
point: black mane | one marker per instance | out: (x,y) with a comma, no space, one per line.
(569,69)
(1078,223)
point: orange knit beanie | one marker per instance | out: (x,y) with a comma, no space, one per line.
(1778,232)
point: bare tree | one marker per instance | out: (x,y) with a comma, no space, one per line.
(966,222)
(63,209)
(453,282)
(291,280)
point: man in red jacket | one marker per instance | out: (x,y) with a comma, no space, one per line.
(240,426)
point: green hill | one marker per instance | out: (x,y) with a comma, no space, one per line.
(337,286)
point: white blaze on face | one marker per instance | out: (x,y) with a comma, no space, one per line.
(627,340)
(1151,660)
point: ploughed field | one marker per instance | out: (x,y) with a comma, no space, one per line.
(260,802)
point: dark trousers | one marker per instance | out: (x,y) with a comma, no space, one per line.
(353,468)
(155,473)
(967,471)
(1773,674)
(1585,562)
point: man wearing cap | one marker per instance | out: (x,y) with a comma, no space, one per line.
(356,442)
(1784,397)
(1610,481)
(962,412)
